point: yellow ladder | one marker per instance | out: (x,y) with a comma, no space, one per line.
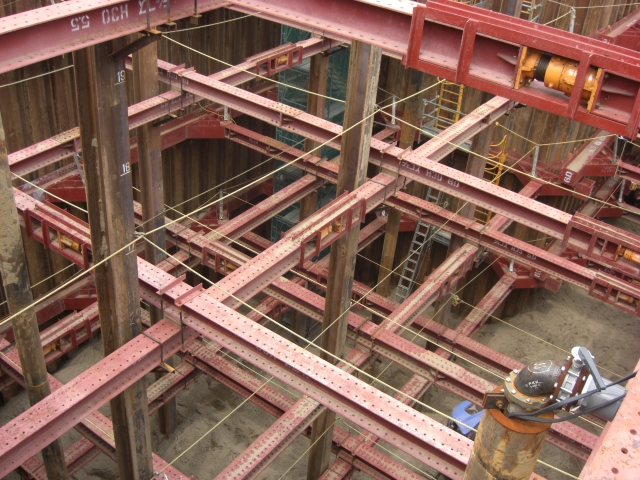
(529,8)
(492,174)
(449,104)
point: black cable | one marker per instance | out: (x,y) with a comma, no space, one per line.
(567,401)
(569,417)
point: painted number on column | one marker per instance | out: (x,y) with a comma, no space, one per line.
(567,176)
(119,77)
(78,23)
(126,168)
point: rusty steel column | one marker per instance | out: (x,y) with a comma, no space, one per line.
(413,81)
(505,448)
(318,79)
(104,130)
(145,86)
(15,278)
(362,84)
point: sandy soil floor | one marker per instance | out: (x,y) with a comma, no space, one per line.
(210,436)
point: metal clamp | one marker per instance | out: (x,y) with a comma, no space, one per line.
(383,185)
(159,343)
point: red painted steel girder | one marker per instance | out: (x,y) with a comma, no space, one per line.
(50,31)
(66,407)
(399,425)
(381,340)
(303,241)
(76,456)
(275,403)
(64,145)
(625,32)
(616,454)
(449,272)
(461,43)
(593,159)
(260,213)
(600,284)
(418,166)
(454,41)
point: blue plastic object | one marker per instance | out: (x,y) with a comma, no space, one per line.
(466,415)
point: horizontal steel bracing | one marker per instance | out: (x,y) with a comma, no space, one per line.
(454,32)
(600,284)
(227,259)
(66,144)
(76,402)
(576,233)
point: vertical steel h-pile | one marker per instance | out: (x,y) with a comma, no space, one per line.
(362,84)
(412,83)
(104,130)
(15,278)
(316,101)
(145,86)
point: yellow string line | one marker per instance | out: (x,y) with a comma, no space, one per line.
(558,18)
(537,179)
(554,143)
(213,428)
(309,342)
(258,180)
(245,303)
(309,448)
(210,25)
(36,76)
(203,207)
(531,334)
(253,73)
(358,302)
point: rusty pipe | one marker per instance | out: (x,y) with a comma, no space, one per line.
(505,448)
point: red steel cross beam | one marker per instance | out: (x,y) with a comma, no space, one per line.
(480,48)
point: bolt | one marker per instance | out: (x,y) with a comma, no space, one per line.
(502,390)
(515,371)
(569,358)
(544,399)
(508,379)
(528,400)
(513,391)
(563,369)
(584,379)
(500,404)
(550,397)
(555,385)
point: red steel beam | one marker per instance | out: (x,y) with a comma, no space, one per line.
(600,284)
(462,43)
(616,454)
(66,406)
(325,383)
(418,166)
(275,403)
(625,32)
(451,40)
(379,339)
(65,144)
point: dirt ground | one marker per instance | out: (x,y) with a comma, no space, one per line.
(209,436)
